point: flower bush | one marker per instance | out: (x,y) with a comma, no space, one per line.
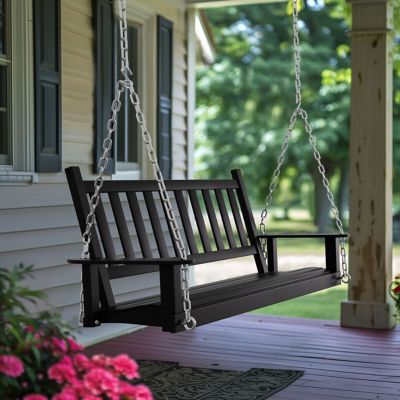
(395,292)
(39,361)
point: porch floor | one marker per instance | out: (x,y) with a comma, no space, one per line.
(339,363)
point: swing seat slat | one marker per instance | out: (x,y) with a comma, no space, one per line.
(215,301)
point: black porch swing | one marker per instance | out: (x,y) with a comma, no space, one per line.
(177,307)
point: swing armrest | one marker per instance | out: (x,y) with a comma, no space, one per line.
(300,235)
(125,261)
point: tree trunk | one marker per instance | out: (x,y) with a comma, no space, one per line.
(322,218)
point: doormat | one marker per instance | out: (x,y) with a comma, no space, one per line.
(170,381)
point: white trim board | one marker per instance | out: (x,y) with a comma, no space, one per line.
(91,336)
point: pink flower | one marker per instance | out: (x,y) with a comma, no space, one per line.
(59,344)
(63,371)
(143,393)
(101,360)
(131,392)
(73,346)
(66,394)
(29,329)
(72,391)
(124,365)
(34,396)
(98,381)
(66,360)
(11,366)
(82,362)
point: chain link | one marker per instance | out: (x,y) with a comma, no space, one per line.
(299,112)
(122,85)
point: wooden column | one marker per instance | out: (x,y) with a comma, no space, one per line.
(371,166)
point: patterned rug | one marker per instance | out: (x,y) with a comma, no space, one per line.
(170,381)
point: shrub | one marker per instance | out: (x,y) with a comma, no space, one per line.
(395,292)
(40,361)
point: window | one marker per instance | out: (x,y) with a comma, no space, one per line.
(150,59)
(128,130)
(124,159)
(4,85)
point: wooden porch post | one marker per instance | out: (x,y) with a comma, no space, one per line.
(371,166)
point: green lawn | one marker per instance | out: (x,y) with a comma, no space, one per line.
(321,305)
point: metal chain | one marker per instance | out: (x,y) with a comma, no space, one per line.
(189,321)
(298,111)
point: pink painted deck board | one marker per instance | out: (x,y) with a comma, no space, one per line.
(339,363)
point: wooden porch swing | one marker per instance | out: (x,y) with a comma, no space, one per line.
(179,308)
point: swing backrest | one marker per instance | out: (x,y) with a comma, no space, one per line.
(215,216)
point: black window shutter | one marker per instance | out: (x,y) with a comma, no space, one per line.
(48,136)
(164,119)
(105,28)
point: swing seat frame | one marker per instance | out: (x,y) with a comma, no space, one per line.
(210,302)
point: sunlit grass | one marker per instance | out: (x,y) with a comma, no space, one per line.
(321,305)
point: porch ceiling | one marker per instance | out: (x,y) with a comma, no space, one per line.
(224,3)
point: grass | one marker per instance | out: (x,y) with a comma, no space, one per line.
(321,305)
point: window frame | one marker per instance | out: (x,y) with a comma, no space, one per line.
(124,166)
(20,169)
(6,61)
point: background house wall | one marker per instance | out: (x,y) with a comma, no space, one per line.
(37,221)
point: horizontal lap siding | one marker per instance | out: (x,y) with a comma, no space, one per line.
(38,223)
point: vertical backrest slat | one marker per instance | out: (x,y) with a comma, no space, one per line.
(81,204)
(249,221)
(139,225)
(100,287)
(122,226)
(171,233)
(187,226)
(237,218)
(155,223)
(200,220)
(213,219)
(104,230)
(225,218)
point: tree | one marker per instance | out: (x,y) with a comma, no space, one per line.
(245,99)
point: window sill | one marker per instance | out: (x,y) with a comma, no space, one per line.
(10,177)
(126,175)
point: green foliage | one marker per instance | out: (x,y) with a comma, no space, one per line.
(13,295)
(394,292)
(21,334)
(246,98)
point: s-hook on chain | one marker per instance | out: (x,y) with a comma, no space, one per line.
(122,85)
(300,112)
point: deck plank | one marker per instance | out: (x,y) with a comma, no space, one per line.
(339,363)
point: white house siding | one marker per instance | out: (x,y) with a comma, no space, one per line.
(37,222)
